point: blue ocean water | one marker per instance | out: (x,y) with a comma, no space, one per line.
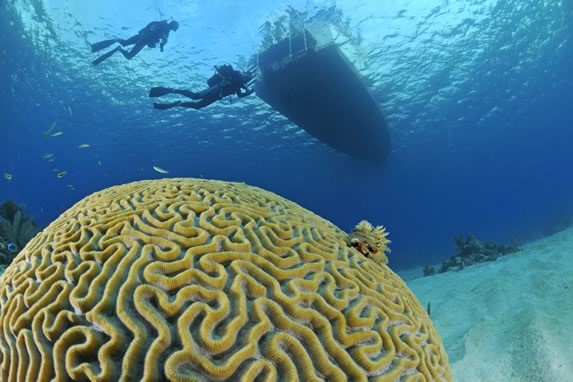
(476,95)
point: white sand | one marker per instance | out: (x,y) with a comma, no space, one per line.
(508,320)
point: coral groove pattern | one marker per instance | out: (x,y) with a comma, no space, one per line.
(199,280)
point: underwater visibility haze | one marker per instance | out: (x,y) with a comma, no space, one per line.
(476,96)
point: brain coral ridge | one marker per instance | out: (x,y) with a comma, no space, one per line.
(197,280)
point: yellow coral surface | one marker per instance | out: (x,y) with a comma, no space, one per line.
(192,280)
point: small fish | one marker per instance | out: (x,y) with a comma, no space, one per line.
(55,169)
(8,176)
(160,170)
(99,162)
(84,145)
(70,111)
(62,174)
(57,133)
(48,156)
(45,133)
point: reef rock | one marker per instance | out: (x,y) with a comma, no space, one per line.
(16,230)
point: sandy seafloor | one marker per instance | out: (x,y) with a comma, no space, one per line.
(508,320)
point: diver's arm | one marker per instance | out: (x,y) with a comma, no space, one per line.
(163,40)
(247,92)
(165,35)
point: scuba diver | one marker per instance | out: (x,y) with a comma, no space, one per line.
(226,81)
(155,32)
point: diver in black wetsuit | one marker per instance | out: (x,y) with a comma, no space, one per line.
(155,32)
(224,82)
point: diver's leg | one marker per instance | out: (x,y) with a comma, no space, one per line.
(165,106)
(201,104)
(130,41)
(159,91)
(130,54)
(187,93)
(191,105)
(105,56)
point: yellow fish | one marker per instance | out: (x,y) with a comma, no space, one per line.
(84,145)
(57,133)
(62,174)
(160,170)
(8,176)
(45,133)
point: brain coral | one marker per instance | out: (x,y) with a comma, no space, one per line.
(192,280)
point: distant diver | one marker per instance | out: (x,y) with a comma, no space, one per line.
(226,81)
(155,32)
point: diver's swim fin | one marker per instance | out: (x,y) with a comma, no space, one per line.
(159,91)
(165,106)
(96,47)
(105,56)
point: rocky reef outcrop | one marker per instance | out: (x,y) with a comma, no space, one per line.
(470,251)
(16,230)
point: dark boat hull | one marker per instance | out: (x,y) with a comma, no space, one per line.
(321,92)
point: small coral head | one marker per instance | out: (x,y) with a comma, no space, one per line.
(371,241)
